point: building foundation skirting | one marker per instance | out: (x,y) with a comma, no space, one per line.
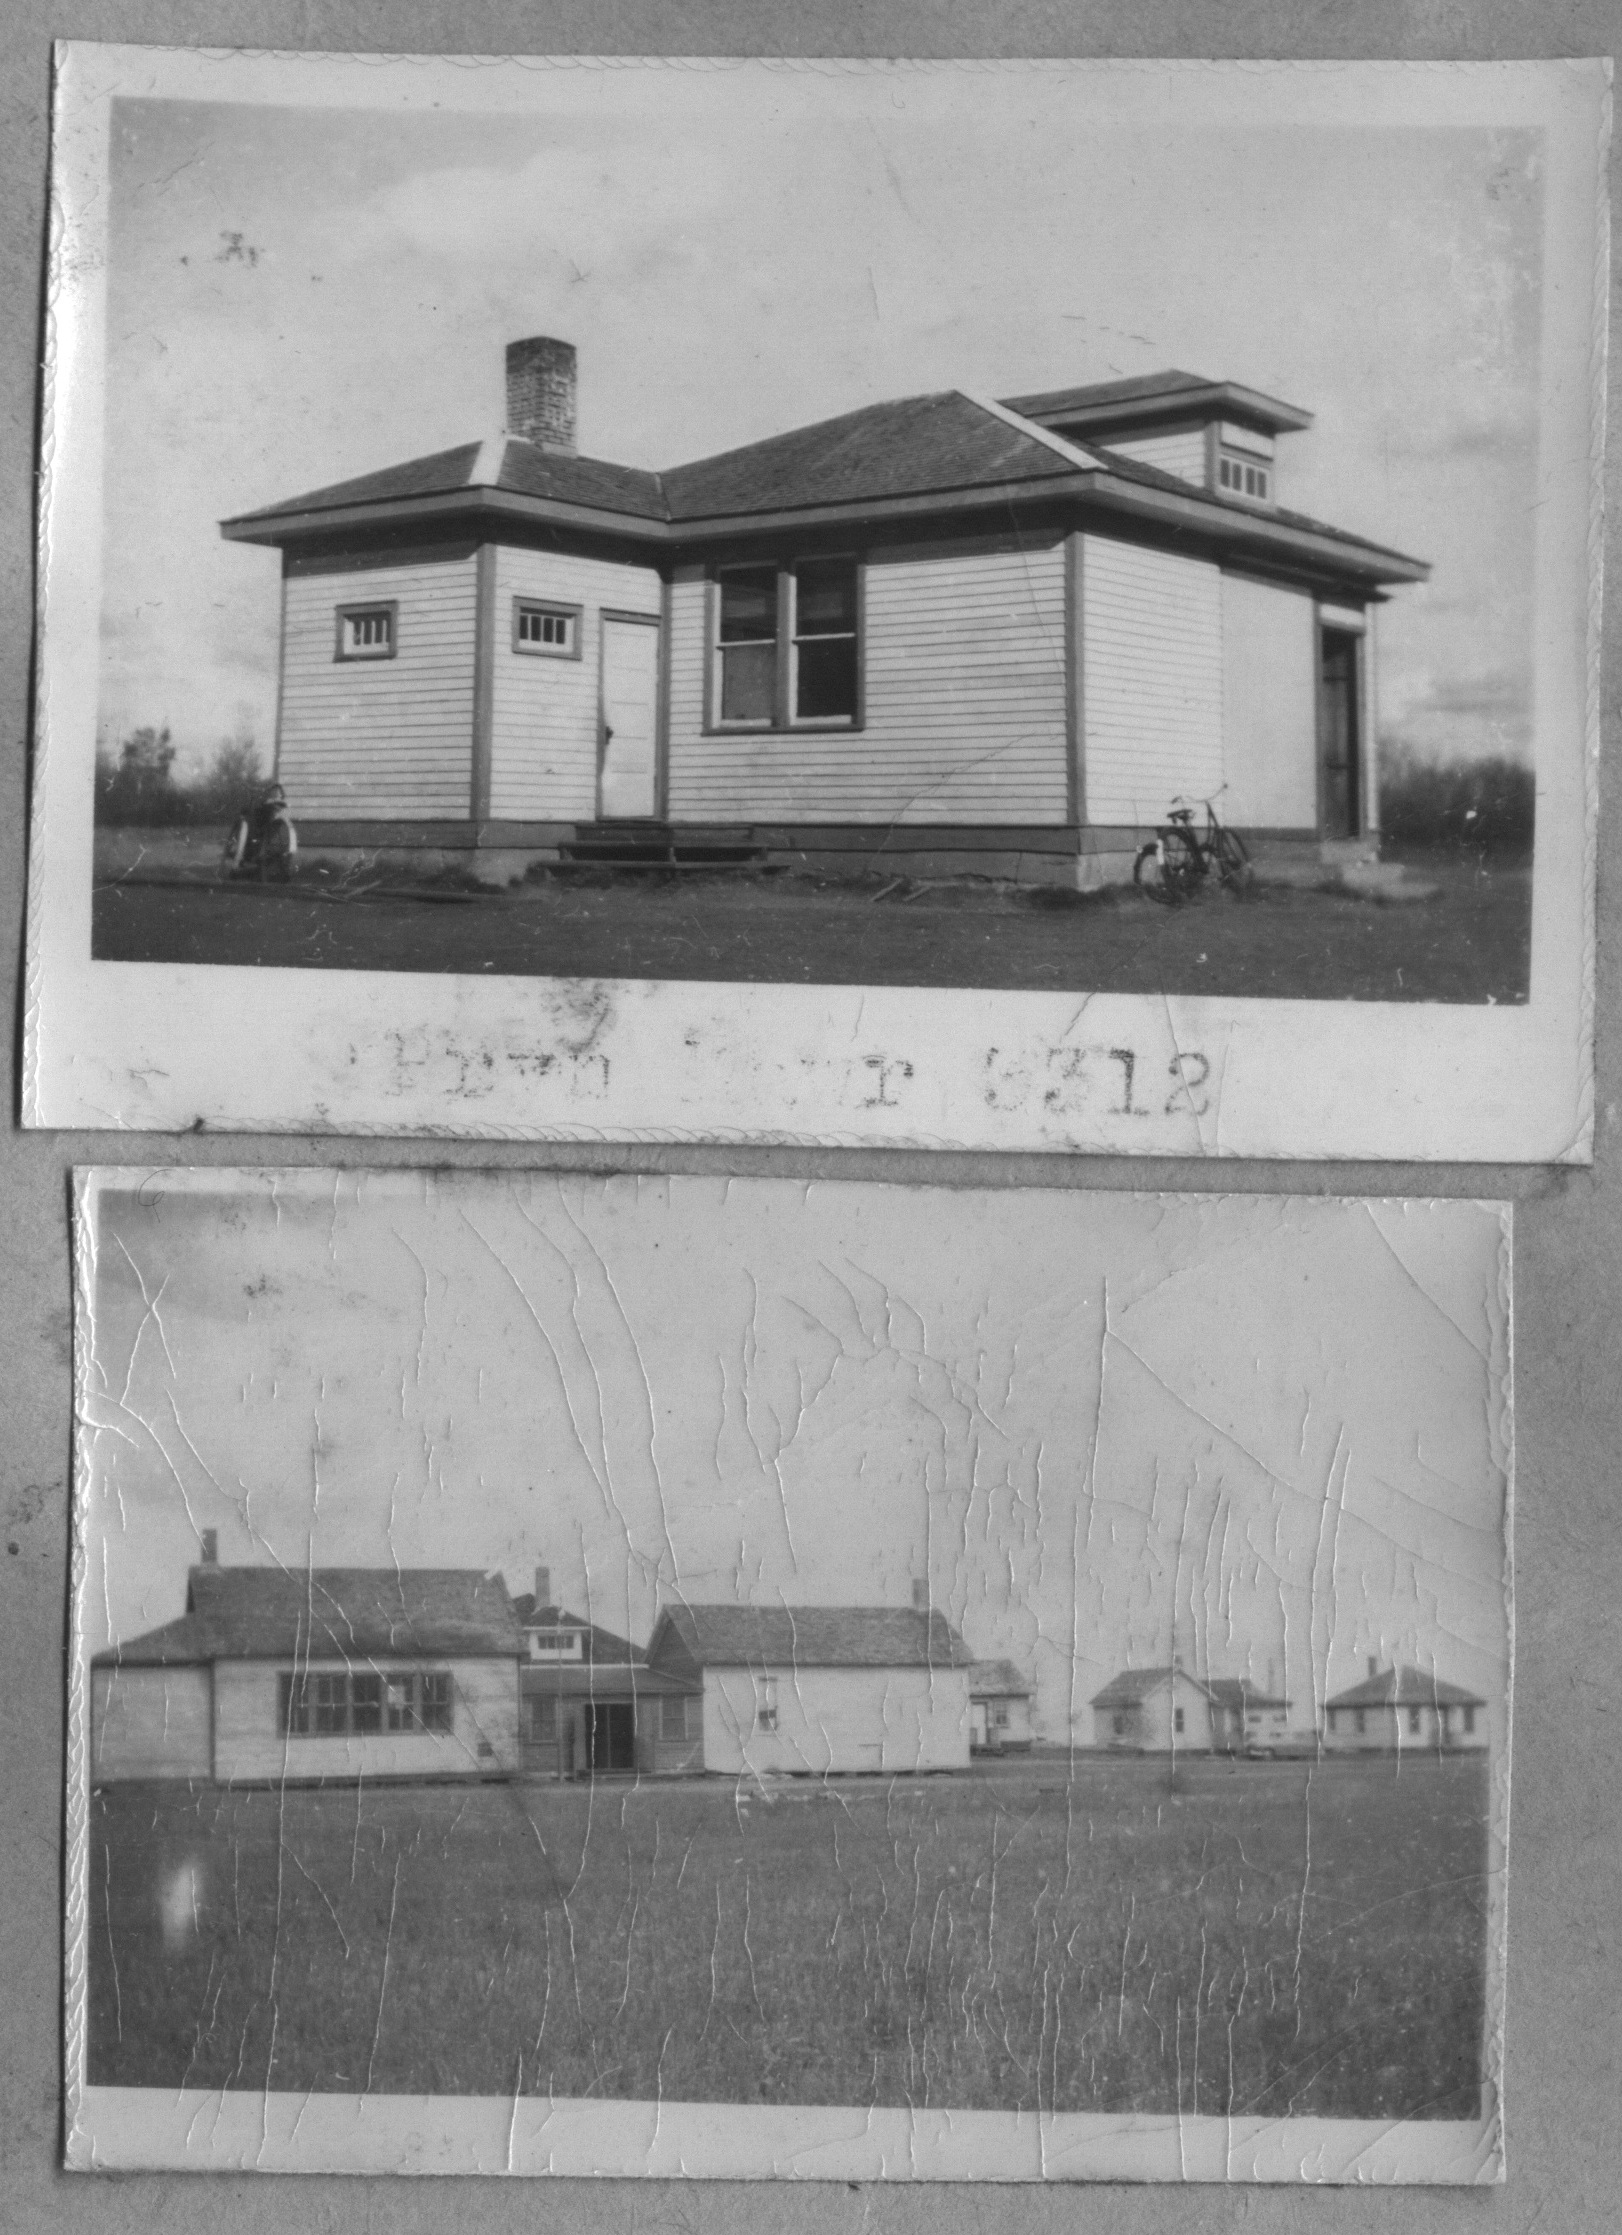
(1077,857)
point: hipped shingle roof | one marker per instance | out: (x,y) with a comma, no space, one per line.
(1405,1687)
(329,1614)
(808,1637)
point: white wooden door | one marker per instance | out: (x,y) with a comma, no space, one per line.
(630,719)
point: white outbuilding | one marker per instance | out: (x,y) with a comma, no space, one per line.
(1155,1711)
(821,1690)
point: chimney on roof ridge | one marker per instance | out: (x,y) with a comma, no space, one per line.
(541,392)
(920,1593)
(211,1548)
(543,1588)
(1374,1664)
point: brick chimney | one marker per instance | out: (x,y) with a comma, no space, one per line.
(211,1548)
(543,1588)
(541,392)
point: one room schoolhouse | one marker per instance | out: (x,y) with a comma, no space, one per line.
(277,1675)
(994,637)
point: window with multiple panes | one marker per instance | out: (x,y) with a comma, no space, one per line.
(1243,477)
(673,1718)
(357,1703)
(766,1703)
(999,1715)
(367,632)
(540,626)
(787,644)
(543,1721)
(1177,1719)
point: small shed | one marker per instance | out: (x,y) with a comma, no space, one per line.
(1155,1711)
(1246,1715)
(821,1690)
(592,1705)
(999,1709)
(276,1675)
(1404,1709)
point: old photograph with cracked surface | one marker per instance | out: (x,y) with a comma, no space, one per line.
(769,1678)
(1069,531)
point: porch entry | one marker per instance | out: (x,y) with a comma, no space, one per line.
(610,1736)
(1339,732)
(628,763)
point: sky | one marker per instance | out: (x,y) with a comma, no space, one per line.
(299,294)
(1268,1429)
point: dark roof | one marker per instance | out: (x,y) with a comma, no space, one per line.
(1162,395)
(597,1644)
(1405,1687)
(1238,1691)
(1133,1686)
(523,468)
(916,446)
(944,446)
(997,1680)
(807,1637)
(329,1613)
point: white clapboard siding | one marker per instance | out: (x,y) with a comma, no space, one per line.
(1151,680)
(380,738)
(964,703)
(1269,706)
(149,1722)
(544,711)
(896,1720)
(1182,454)
(249,1747)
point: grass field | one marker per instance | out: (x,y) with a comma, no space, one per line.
(1258,1939)
(1471,943)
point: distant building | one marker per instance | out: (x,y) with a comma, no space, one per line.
(824,1690)
(1155,1711)
(1398,1709)
(592,1705)
(312,1675)
(1245,1715)
(999,1709)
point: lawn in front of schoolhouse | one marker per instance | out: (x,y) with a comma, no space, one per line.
(1240,1939)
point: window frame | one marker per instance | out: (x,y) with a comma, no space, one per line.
(1235,463)
(348,655)
(765,1706)
(783,720)
(559,609)
(543,1709)
(673,1702)
(323,1703)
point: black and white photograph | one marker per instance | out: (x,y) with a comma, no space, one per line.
(759,595)
(758,1678)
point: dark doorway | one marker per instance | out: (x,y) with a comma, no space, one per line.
(1339,724)
(611,1737)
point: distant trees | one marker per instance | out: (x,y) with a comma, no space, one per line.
(1471,806)
(136,784)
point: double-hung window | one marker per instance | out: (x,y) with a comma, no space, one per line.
(787,646)
(673,1717)
(765,1703)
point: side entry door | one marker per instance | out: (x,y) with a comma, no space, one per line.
(628,762)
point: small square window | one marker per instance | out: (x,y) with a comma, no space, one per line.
(553,631)
(367,632)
